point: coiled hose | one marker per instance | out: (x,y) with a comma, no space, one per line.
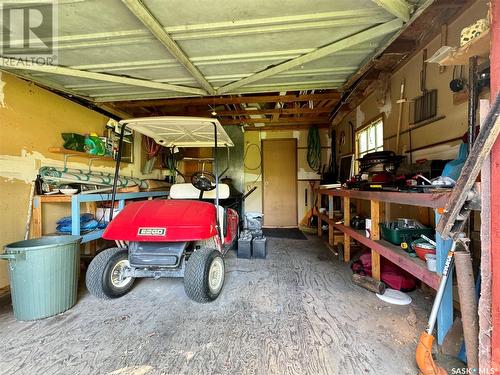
(314,149)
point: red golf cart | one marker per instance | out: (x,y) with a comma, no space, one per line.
(184,236)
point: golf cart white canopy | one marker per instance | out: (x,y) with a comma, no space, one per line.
(180,131)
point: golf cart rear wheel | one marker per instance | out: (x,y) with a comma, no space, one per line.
(204,275)
(104,278)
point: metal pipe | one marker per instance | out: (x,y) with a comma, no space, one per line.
(472,104)
(117,171)
(227,162)
(216,182)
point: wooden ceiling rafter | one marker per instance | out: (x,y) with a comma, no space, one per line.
(271,110)
(228,100)
(287,127)
(267,120)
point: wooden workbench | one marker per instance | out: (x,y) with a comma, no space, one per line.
(379,247)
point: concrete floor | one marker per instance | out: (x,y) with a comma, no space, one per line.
(295,313)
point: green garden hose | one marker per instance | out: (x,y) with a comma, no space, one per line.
(314,149)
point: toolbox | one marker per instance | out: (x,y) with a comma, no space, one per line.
(397,235)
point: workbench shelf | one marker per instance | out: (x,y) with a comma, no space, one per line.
(380,247)
(394,253)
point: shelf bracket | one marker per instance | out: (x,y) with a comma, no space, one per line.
(91,160)
(66,157)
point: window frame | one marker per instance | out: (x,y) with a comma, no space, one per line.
(364,129)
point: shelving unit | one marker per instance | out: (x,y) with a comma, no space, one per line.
(75,201)
(71,153)
(380,247)
(394,253)
(62,150)
(479,46)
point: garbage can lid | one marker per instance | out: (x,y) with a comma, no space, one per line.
(42,243)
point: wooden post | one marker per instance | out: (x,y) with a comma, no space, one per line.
(484,305)
(330,223)
(495,194)
(91,207)
(36,219)
(330,206)
(375,235)
(320,231)
(347,221)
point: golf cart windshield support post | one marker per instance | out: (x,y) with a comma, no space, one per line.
(227,162)
(216,181)
(117,171)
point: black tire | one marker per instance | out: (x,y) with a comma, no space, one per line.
(197,273)
(98,277)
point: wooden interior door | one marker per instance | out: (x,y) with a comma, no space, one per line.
(279,199)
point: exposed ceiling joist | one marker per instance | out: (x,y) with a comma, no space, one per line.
(10,63)
(281,111)
(145,16)
(126,96)
(398,8)
(358,38)
(401,46)
(282,120)
(231,100)
(285,127)
(250,112)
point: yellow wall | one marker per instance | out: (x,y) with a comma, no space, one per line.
(253,177)
(455,122)
(31,120)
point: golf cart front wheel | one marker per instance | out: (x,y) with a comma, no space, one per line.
(204,275)
(104,278)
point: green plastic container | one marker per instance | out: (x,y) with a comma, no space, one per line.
(43,275)
(396,236)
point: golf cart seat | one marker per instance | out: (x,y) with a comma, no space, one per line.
(188,191)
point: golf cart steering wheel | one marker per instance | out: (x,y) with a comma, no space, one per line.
(204,181)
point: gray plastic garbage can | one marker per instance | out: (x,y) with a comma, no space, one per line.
(43,275)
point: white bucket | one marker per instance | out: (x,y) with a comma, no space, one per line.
(431,262)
